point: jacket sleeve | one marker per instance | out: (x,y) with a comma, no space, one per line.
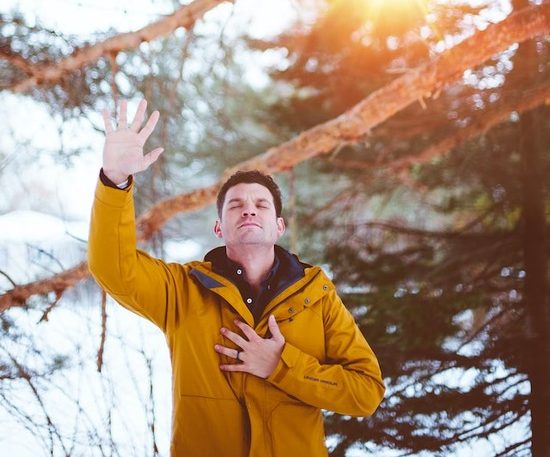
(139,282)
(348,381)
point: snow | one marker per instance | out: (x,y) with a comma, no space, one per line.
(25,226)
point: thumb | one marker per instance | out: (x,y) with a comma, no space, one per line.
(148,159)
(274,329)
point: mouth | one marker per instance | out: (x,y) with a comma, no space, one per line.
(249,224)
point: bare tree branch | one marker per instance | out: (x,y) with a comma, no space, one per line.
(185,17)
(3,273)
(51,306)
(346,128)
(103,331)
(52,428)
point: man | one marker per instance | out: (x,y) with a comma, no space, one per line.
(259,341)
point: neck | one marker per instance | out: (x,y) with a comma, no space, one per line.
(257,261)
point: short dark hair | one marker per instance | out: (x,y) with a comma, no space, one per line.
(250,177)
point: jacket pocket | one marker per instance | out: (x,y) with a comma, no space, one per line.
(205,426)
(297,429)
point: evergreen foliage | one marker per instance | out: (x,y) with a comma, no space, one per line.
(430,258)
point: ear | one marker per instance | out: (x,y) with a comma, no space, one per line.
(280,226)
(218,228)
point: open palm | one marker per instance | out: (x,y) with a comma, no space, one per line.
(123,150)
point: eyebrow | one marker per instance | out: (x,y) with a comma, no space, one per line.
(258,200)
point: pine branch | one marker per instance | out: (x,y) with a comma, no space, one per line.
(16,60)
(485,122)
(437,234)
(185,17)
(519,103)
(321,139)
(58,283)
(513,448)
(373,110)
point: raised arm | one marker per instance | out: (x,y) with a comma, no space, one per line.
(141,283)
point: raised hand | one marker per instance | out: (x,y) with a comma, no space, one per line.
(123,149)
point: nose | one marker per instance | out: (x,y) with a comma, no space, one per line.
(248,210)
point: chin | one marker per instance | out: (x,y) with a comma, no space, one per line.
(253,241)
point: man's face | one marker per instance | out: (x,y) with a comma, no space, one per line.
(248,217)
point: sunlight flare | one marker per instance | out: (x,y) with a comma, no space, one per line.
(394,13)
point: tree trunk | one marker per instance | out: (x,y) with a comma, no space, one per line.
(535,260)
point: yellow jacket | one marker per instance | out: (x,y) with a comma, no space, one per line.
(325,364)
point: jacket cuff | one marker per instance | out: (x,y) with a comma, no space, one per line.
(105,180)
(113,196)
(289,358)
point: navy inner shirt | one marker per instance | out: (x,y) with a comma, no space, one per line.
(286,270)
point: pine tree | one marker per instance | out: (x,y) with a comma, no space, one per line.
(430,227)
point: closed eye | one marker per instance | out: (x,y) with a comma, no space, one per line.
(262,203)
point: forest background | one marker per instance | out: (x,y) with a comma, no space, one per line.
(412,140)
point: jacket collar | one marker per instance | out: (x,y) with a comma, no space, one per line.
(297,275)
(288,268)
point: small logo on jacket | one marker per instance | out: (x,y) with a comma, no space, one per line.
(324,381)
